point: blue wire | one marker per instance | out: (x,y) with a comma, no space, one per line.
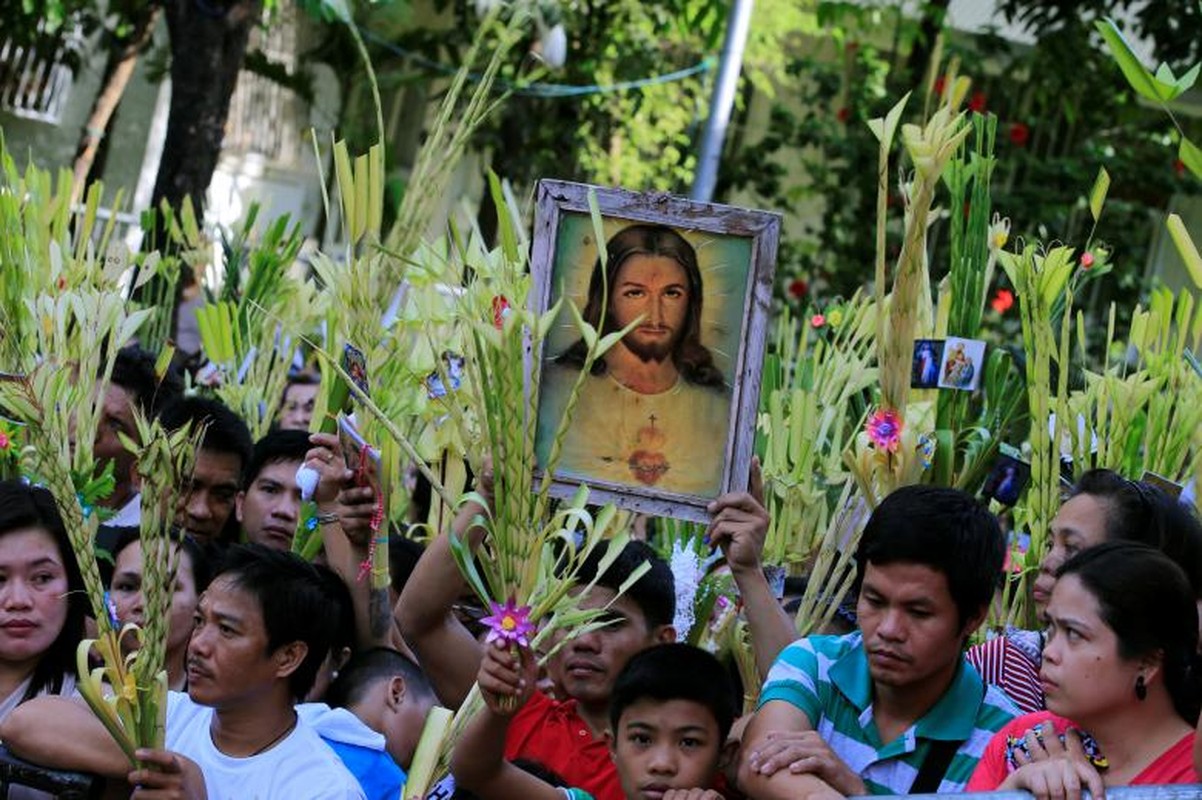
(548,90)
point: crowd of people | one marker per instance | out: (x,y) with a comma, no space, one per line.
(281,689)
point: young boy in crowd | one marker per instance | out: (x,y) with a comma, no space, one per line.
(566,734)
(225,450)
(262,628)
(373,716)
(268,507)
(671,709)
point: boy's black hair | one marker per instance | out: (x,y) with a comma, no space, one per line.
(403,555)
(654,593)
(338,595)
(675,672)
(22,507)
(275,446)
(202,568)
(367,668)
(134,371)
(225,432)
(294,600)
(944,529)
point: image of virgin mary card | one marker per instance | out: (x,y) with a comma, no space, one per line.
(663,422)
(963,364)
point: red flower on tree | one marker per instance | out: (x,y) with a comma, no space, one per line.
(798,289)
(1003,300)
(977,102)
(940,83)
(843,114)
(1019,134)
(1179,168)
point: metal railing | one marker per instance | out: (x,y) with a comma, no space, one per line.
(36,80)
(58,783)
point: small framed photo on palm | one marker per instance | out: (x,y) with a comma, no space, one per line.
(963,364)
(664,421)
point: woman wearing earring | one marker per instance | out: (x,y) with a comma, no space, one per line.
(1119,676)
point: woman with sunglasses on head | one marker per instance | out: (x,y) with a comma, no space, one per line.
(1120,677)
(1102,507)
(42,599)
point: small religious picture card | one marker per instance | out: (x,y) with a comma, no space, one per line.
(924,368)
(361,458)
(1172,489)
(355,364)
(447,378)
(1007,480)
(963,364)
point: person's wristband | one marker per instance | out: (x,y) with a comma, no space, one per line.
(326,517)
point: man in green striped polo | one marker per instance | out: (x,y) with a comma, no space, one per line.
(892,708)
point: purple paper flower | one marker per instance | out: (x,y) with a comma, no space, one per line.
(509,624)
(884,429)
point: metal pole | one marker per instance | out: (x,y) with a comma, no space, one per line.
(731,64)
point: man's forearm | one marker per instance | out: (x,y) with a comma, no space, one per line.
(62,733)
(448,653)
(436,584)
(771,628)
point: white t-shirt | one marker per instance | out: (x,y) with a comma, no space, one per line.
(300,765)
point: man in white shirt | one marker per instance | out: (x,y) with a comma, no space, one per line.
(262,629)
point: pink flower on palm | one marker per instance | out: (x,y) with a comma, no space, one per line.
(884,428)
(509,623)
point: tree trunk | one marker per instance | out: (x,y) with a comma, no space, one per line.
(208,46)
(119,68)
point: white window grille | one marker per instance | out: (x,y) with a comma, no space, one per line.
(268,119)
(35,80)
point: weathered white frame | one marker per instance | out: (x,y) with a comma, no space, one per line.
(553,199)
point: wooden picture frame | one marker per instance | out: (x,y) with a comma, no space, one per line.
(647,448)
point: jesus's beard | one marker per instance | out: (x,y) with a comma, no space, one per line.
(649,352)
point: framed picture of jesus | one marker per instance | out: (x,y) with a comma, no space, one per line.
(665,420)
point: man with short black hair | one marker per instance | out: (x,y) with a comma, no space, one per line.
(262,629)
(268,507)
(893,708)
(206,508)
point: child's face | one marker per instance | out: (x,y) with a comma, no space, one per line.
(665,744)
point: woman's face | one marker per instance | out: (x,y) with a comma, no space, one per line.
(1080,524)
(127,594)
(1083,675)
(33,594)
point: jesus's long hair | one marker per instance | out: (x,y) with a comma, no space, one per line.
(691,357)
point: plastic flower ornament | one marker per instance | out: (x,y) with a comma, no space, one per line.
(500,311)
(817,321)
(509,623)
(884,428)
